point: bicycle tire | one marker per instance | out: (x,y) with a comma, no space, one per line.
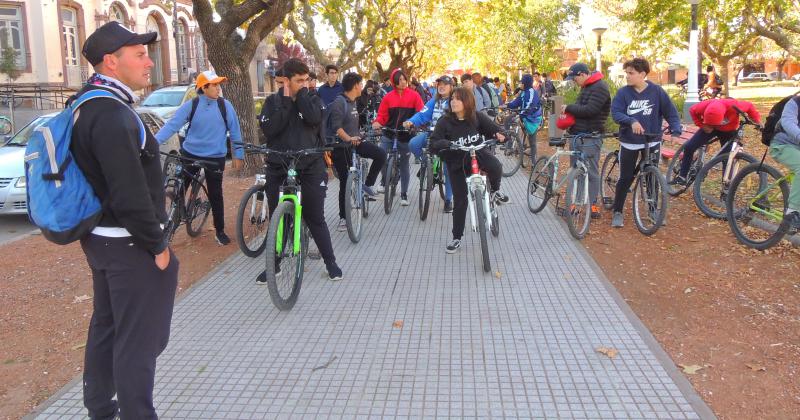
(425,187)
(510,154)
(674,167)
(173,216)
(286,299)
(197,210)
(169,165)
(495,219)
(352,210)
(441,181)
(609,175)
(388,195)
(481,216)
(651,186)
(577,203)
(258,217)
(739,204)
(366,200)
(704,187)
(540,185)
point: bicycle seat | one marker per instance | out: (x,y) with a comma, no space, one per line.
(557,141)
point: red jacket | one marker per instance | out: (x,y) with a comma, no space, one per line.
(396,108)
(731,116)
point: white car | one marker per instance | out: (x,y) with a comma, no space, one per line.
(163,102)
(13,197)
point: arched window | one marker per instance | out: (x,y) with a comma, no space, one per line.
(183,50)
(154,51)
(117,13)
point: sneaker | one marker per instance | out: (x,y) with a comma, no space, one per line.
(448,206)
(678,180)
(381,189)
(595,211)
(261,279)
(222,238)
(499,197)
(334,273)
(368,191)
(453,246)
(342,226)
(793,220)
(404,199)
(617,220)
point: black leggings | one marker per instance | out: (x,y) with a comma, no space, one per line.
(341,161)
(214,185)
(628,164)
(459,167)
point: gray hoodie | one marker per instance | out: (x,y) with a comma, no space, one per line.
(789,124)
(482,99)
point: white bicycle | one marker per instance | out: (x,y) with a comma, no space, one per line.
(482,211)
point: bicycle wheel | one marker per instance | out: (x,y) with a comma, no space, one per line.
(495,219)
(674,167)
(710,190)
(252,219)
(649,200)
(756,204)
(540,185)
(284,287)
(532,148)
(425,187)
(578,205)
(608,179)
(352,206)
(477,201)
(5,126)
(366,200)
(439,178)
(197,209)
(173,215)
(510,154)
(169,165)
(388,195)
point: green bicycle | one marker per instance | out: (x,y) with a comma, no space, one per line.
(287,235)
(431,174)
(757,200)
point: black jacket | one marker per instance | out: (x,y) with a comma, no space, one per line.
(463,132)
(128,181)
(367,103)
(592,107)
(293,125)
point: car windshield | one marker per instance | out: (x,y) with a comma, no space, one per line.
(22,136)
(164,98)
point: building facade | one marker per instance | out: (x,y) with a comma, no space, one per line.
(48,35)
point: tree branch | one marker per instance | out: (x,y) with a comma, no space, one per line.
(264,23)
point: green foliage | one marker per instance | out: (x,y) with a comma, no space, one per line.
(8,60)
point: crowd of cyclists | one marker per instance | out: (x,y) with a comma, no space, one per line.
(347,111)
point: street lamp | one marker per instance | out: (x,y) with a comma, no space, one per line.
(599,32)
(692,88)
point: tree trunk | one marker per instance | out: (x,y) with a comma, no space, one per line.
(723,73)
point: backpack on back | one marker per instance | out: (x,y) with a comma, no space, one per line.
(771,122)
(494,100)
(195,102)
(61,202)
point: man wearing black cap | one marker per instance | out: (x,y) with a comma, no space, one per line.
(134,274)
(590,110)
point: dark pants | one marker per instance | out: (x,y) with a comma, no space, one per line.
(214,185)
(628,163)
(459,169)
(314,187)
(130,323)
(698,140)
(341,161)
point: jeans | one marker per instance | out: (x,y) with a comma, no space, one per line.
(591,157)
(405,170)
(416,144)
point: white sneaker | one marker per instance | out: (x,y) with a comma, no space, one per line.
(342,226)
(453,246)
(404,200)
(381,189)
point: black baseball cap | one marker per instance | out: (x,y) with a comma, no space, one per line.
(446,79)
(111,37)
(577,69)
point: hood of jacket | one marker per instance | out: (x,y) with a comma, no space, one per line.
(527,81)
(594,78)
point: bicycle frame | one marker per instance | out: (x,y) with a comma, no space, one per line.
(776,214)
(294,195)
(556,186)
(477,185)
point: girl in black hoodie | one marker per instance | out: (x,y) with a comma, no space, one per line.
(464,126)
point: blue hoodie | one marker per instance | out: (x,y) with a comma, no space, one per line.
(528,100)
(208,135)
(431,112)
(648,108)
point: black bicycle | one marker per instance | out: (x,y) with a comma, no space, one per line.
(252,216)
(192,211)
(392,175)
(431,175)
(518,144)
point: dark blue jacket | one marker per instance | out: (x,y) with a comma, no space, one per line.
(528,100)
(649,107)
(328,93)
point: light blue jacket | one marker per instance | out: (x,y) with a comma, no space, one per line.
(208,134)
(789,124)
(431,112)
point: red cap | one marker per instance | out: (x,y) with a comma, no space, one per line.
(565,121)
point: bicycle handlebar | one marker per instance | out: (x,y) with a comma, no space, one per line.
(289,153)
(486,143)
(747,119)
(199,162)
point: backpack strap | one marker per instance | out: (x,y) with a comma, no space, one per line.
(195,102)
(223,110)
(102,93)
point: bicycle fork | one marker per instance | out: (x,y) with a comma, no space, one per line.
(477,185)
(298,214)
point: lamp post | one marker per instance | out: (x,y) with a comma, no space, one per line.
(175,35)
(692,88)
(599,32)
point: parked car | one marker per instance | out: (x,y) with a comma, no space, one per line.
(13,198)
(166,100)
(796,79)
(755,77)
(774,76)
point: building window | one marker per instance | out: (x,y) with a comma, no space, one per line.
(69,17)
(200,49)
(117,14)
(11,33)
(183,54)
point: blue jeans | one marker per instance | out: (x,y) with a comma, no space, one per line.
(416,144)
(405,171)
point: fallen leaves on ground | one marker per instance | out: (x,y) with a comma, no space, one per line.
(608,351)
(398,324)
(756,367)
(691,369)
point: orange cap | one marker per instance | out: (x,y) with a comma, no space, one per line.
(208,77)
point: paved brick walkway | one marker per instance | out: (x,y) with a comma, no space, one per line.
(471,344)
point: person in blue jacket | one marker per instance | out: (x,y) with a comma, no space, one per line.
(435,108)
(207,139)
(638,108)
(530,103)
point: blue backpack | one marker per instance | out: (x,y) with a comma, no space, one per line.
(61,202)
